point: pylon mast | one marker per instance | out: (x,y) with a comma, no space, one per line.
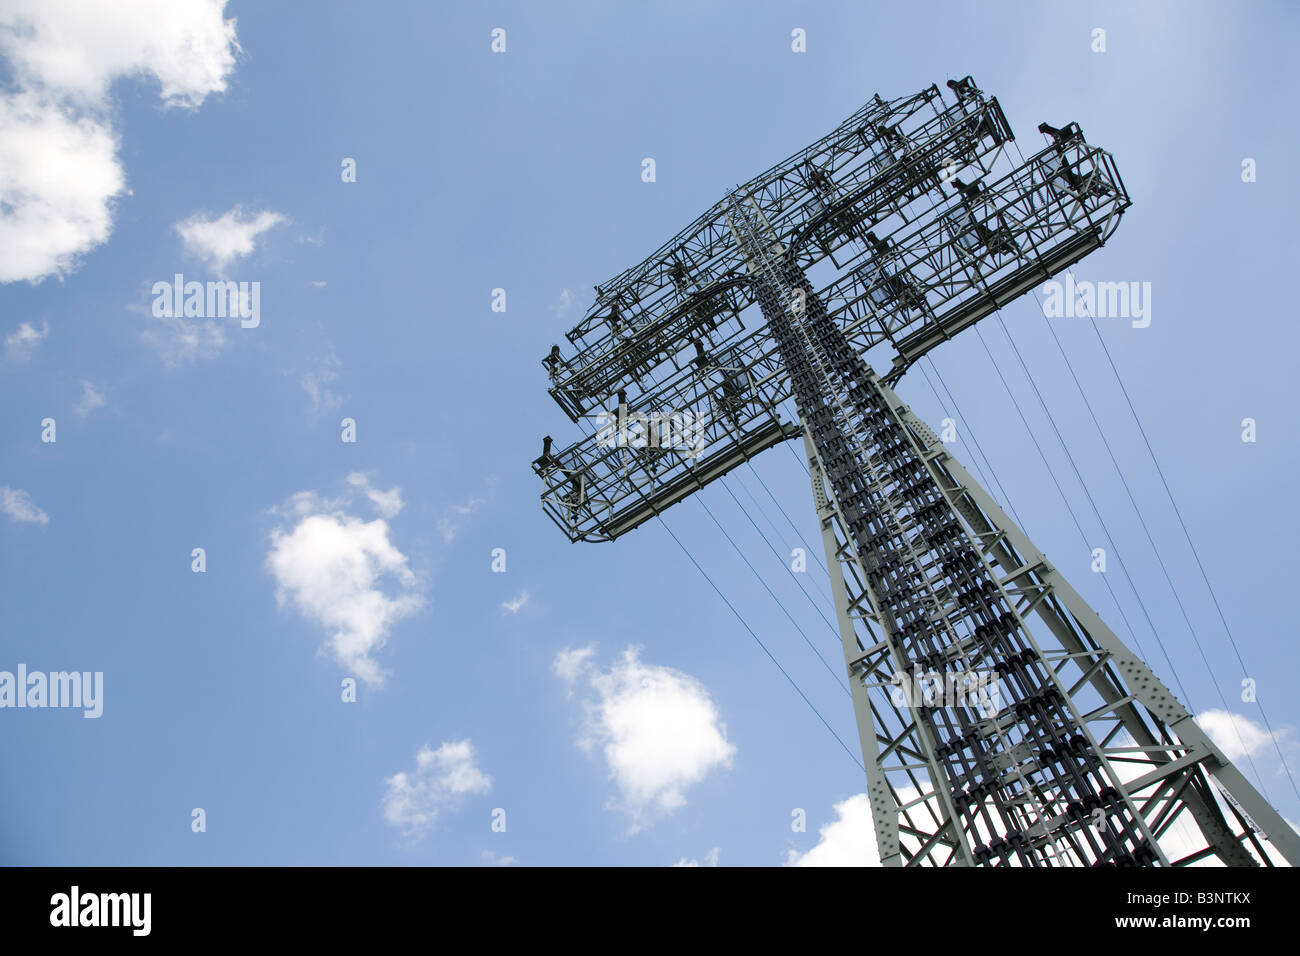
(1001,722)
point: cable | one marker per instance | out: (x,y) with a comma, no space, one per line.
(788,569)
(1093,504)
(943,410)
(772,594)
(1059,490)
(761,644)
(784,543)
(1150,540)
(1196,555)
(987,461)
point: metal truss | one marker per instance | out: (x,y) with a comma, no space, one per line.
(922,271)
(986,741)
(1189,796)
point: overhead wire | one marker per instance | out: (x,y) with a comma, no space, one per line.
(1196,555)
(760,643)
(1186,533)
(768,588)
(1147,531)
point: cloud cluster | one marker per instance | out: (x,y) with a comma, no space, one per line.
(59,169)
(334,567)
(440,780)
(658,729)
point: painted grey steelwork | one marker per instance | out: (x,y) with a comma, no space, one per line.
(986,742)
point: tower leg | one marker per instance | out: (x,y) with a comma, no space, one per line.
(1166,751)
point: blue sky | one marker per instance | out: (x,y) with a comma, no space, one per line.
(522,170)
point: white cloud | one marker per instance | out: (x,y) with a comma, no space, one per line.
(440,780)
(450,523)
(58,177)
(333,566)
(22,341)
(565,306)
(710,859)
(514,604)
(80,47)
(317,382)
(388,503)
(491,859)
(91,399)
(178,339)
(658,729)
(848,840)
(59,170)
(571,662)
(223,241)
(1235,735)
(18,505)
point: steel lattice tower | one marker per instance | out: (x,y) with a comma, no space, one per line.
(986,741)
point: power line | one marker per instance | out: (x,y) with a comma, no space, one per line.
(1059,490)
(761,644)
(1150,540)
(784,543)
(1093,504)
(1195,553)
(965,421)
(771,593)
(788,569)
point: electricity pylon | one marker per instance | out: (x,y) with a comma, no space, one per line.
(1001,721)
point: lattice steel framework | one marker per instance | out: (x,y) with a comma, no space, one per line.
(1069,751)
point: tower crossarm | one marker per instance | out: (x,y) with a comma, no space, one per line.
(888,160)
(912,287)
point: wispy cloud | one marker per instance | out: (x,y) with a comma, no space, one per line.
(710,859)
(453,519)
(318,383)
(179,340)
(24,340)
(441,779)
(18,505)
(91,399)
(514,604)
(388,503)
(223,241)
(565,306)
